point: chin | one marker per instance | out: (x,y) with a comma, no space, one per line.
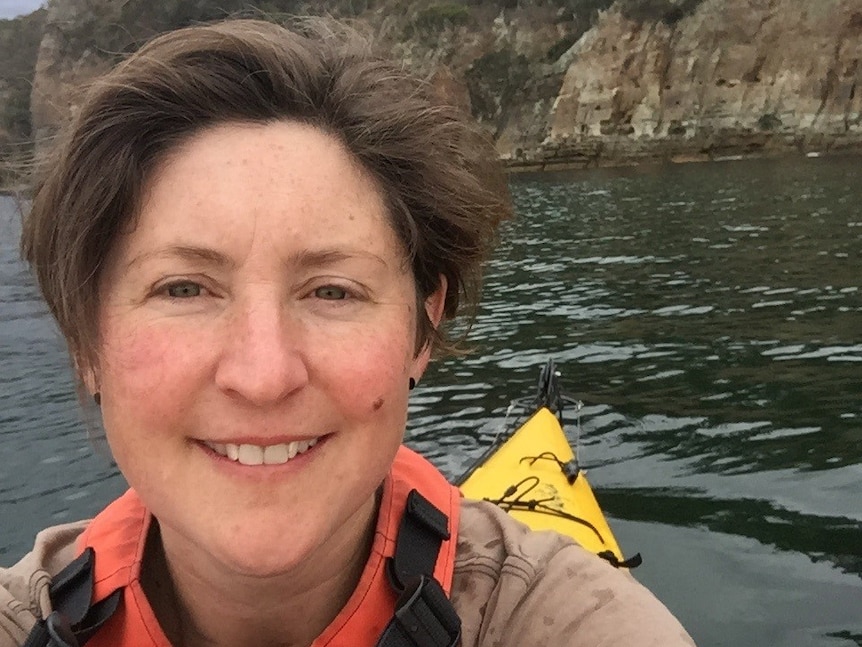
(260,557)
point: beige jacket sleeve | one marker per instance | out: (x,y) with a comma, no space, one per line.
(514,587)
(24,586)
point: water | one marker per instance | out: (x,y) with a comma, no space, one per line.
(710,318)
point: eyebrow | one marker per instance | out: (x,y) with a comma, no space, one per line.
(322,257)
(185,252)
(305,258)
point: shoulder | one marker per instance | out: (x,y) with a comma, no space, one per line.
(24,586)
(513,586)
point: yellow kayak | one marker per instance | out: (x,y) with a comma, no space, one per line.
(534,475)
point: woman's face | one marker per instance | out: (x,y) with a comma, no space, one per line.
(257,338)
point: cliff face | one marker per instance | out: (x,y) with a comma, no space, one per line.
(734,77)
(557,82)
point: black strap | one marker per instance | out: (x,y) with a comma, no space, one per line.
(632,562)
(424,616)
(423,529)
(507,503)
(74,619)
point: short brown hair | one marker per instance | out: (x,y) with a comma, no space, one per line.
(445,190)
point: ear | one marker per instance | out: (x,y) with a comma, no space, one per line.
(434,306)
(87,374)
(436,302)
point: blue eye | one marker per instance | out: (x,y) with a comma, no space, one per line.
(183,290)
(331,293)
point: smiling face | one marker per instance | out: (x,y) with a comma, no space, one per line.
(257,335)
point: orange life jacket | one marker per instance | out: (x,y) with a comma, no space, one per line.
(118,536)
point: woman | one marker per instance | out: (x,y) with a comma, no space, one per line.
(250,238)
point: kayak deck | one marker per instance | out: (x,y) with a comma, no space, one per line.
(534,476)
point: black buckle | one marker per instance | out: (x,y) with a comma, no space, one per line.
(74,620)
(424,617)
(59,631)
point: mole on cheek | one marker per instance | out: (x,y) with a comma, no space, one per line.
(377,404)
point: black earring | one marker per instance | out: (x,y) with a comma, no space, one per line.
(412,384)
(97,398)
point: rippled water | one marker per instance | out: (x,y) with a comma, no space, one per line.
(710,318)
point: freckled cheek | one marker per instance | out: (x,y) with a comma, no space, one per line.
(374,388)
(372,375)
(148,362)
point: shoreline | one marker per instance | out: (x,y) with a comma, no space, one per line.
(598,153)
(556,165)
(582,162)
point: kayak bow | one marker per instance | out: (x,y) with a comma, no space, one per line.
(534,475)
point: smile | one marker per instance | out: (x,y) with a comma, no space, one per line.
(262,455)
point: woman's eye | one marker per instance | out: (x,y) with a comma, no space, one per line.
(183,290)
(331,293)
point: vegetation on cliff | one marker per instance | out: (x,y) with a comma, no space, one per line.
(19,44)
(556,82)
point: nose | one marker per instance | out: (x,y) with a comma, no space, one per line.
(262,360)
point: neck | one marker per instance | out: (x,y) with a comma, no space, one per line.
(200,602)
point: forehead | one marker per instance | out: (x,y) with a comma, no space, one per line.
(284,183)
(280,160)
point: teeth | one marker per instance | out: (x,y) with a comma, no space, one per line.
(262,455)
(275,455)
(250,455)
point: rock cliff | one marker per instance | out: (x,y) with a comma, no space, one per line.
(732,77)
(557,82)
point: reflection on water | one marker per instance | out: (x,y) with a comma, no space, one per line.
(710,317)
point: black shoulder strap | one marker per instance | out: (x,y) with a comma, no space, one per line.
(423,528)
(74,619)
(424,616)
